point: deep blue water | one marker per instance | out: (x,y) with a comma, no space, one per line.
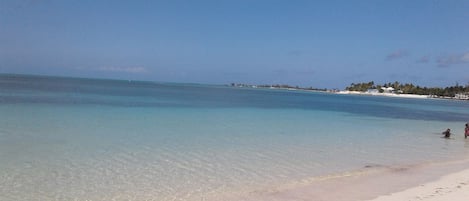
(16,89)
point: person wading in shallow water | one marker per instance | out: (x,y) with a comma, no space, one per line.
(466,131)
(447,133)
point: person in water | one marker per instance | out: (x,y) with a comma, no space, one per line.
(466,131)
(447,133)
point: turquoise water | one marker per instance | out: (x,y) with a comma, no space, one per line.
(88,139)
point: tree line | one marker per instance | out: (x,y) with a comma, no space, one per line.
(411,88)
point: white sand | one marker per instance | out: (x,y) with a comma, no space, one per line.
(384,94)
(452,187)
(440,181)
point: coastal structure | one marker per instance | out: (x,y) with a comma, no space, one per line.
(372,91)
(462,96)
(387,89)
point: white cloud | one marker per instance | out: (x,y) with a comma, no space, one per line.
(396,55)
(137,69)
(465,57)
(453,59)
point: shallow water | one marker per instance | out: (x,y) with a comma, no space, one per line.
(69,138)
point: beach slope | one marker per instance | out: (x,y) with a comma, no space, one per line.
(444,180)
(452,187)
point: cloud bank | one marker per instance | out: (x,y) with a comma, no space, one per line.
(453,59)
(396,55)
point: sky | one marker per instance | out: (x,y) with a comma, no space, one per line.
(322,44)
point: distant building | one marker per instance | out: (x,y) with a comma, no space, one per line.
(387,89)
(464,96)
(372,91)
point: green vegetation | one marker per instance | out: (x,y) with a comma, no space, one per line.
(412,89)
(361,86)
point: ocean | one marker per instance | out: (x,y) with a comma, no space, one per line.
(94,139)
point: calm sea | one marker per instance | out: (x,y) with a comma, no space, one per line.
(91,139)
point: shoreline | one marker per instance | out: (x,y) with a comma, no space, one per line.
(440,180)
(388,95)
(394,95)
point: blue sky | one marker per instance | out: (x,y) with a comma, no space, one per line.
(325,44)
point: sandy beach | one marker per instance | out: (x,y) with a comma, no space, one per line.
(452,187)
(384,94)
(440,181)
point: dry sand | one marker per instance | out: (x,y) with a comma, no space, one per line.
(432,181)
(452,187)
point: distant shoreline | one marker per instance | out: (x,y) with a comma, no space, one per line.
(416,96)
(395,95)
(275,87)
(346,92)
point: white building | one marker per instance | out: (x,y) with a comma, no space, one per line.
(387,89)
(462,96)
(372,91)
